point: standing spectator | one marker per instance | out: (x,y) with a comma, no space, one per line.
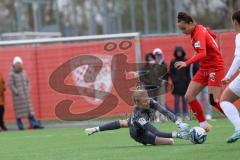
(149,79)
(203,95)
(150,59)
(162,78)
(180,79)
(160,64)
(19,85)
(2,98)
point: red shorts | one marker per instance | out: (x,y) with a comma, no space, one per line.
(209,78)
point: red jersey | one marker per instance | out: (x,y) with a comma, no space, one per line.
(207,51)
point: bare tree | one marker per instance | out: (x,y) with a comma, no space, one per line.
(213,13)
(7,16)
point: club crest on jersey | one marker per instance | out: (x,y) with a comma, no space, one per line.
(212,76)
(197,44)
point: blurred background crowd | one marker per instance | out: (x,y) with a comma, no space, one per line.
(161,71)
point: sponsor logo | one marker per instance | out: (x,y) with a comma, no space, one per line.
(197,44)
(93,77)
(142,121)
(102,81)
(212,76)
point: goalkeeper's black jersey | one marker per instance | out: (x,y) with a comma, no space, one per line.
(143,116)
(147,114)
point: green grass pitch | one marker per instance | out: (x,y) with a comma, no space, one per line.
(73,144)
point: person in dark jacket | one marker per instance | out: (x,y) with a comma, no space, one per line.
(156,71)
(180,79)
(149,77)
(2,102)
(162,78)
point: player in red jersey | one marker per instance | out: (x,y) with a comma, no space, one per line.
(211,69)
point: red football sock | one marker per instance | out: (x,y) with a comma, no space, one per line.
(197,110)
(219,108)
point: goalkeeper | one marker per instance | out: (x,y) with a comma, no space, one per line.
(140,128)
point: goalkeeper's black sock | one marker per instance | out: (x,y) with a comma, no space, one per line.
(110,126)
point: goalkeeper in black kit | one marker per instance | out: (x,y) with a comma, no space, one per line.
(140,128)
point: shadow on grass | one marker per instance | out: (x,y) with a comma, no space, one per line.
(139,146)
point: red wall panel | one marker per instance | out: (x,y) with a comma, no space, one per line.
(41,60)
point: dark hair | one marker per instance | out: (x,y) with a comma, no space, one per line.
(179,49)
(182,16)
(236,16)
(149,55)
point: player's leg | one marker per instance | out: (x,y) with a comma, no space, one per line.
(193,90)
(148,134)
(163,141)
(208,107)
(108,126)
(149,127)
(181,134)
(215,88)
(214,94)
(229,96)
(151,138)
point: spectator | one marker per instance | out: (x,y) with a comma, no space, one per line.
(163,75)
(180,79)
(2,98)
(162,78)
(151,78)
(150,59)
(148,78)
(19,85)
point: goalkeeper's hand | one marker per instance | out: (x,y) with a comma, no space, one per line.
(184,126)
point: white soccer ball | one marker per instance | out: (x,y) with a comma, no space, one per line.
(198,135)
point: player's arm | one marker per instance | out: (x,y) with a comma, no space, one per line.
(108,126)
(200,48)
(181,134)
(200,55)
(160,137)
(234,67)
(235,64)
(162,109)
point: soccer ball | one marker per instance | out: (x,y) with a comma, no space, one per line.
(198,135)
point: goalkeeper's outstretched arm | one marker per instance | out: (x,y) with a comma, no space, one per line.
(108,126)
(162,109)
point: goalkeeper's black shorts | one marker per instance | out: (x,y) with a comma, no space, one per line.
(142,136)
